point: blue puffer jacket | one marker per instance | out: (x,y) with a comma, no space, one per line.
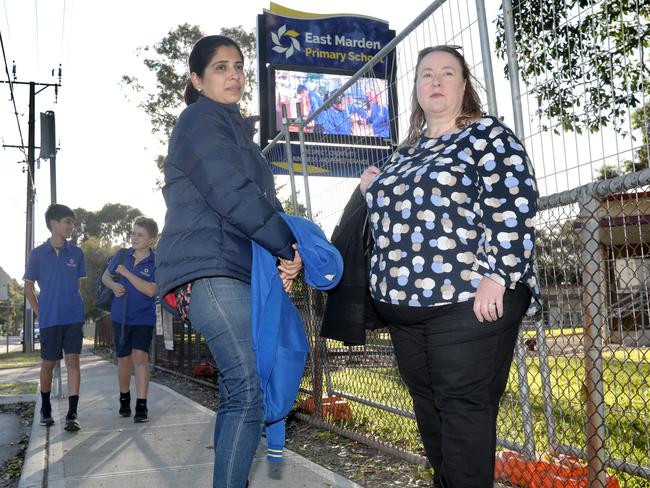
(220,195)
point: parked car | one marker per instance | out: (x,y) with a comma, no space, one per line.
(37,334)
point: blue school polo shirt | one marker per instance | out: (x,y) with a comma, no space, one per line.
(140,309)
(57,276)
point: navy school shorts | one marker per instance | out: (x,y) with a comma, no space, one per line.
(57,339)
(135,337)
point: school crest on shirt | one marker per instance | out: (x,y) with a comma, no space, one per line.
(145,272)
(71,263)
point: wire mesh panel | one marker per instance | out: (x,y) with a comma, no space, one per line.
(584,103)
(104,332)
(189,350)
(576,405)
(360,385)
(623,235)
(585,87)
(574,388)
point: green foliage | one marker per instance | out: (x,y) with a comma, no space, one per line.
(625,383)
(584,69)
(11,311)
(96,252)
(641,161)
(20,359)
(558,250)
(100,234)
(167,61)
(17,388)
(112,224)
(607,171)
(641,121)
(287,204)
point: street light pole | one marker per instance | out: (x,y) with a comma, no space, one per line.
(28,330)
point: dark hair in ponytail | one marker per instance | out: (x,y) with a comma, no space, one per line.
(200,57)
(190,94)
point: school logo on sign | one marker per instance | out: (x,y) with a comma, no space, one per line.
(279,47)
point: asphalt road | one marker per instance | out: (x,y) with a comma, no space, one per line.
(13,344)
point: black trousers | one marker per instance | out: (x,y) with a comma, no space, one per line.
(456,370)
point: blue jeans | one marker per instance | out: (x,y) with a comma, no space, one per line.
(220,310)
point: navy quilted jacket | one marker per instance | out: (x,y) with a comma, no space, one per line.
(220,195)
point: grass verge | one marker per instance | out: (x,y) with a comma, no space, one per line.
(20,359)
(17,388)
(626,395)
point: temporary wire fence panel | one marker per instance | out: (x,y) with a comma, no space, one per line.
(579,381)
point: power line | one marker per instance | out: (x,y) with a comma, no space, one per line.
(38,56)
(4,2)
(68,40)
(63,29)
(13,98)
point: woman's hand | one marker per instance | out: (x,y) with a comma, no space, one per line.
(366,178)
(287,284)
(290,269)
(120,269)
(488,302)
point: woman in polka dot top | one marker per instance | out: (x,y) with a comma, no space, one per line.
(452,214)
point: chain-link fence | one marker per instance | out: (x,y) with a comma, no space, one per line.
(578,386)
(577,406)
(590,362)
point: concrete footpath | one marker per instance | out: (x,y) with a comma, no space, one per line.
(173,449)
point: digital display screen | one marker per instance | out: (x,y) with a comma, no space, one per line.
(361,111)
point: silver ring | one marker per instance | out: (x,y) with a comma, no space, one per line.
(491,303)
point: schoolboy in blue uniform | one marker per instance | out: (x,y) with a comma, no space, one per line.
(133,281)
(58,266)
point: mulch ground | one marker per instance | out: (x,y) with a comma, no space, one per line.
(365,465)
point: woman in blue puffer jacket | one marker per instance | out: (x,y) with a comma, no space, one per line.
(220,196)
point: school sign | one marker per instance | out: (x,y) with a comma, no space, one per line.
(300,52)
(339,42)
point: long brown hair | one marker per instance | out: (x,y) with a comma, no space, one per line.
(470,108)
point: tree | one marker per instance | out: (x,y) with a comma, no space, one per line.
(100,234)
(607,171)
(641,120)
(112,224)
(287,203)
(11,310)
(585,70)
(167,60)
(558,254)
(96,253)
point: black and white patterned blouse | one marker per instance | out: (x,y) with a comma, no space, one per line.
(450,211)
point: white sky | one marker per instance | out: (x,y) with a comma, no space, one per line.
(107,149)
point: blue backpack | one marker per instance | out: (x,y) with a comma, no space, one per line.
(103,294)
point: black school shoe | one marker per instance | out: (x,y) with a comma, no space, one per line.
(46,418)
(125,407)
(72,423)
(140,414)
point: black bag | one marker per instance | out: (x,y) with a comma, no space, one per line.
(104,295)
(349,311)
